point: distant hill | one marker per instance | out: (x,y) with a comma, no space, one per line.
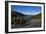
(15,13)
(36,16)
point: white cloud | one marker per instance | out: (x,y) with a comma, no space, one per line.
(29,13)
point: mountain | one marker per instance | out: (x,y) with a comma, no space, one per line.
(15,13)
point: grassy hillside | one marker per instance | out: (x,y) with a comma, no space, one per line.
(36,16)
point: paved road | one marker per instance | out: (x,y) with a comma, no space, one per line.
(32,23)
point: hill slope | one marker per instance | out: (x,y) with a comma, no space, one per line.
(36,16)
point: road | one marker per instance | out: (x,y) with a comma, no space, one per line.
(32,23)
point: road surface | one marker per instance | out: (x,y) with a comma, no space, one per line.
(32,23)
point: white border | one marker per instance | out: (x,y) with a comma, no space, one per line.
(24,29)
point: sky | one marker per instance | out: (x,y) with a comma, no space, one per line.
(28,10)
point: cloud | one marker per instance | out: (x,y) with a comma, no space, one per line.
(30,13)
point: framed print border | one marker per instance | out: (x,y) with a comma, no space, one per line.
(6,16)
